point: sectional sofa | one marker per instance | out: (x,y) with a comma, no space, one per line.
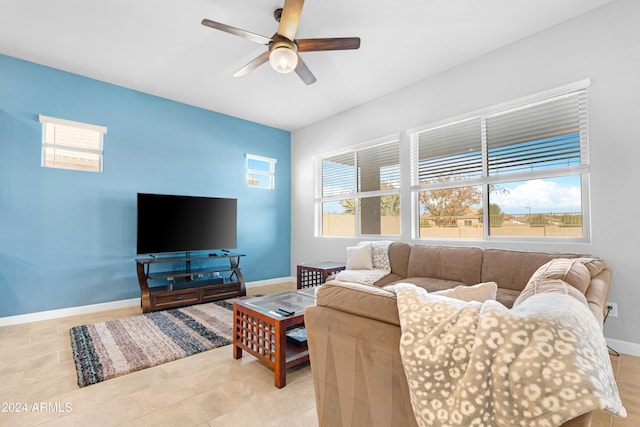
(354,330)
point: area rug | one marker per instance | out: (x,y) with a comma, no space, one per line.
(106,350)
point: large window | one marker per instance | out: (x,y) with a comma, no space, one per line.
(515,171)
(518,172)
(71,145)
(359,191)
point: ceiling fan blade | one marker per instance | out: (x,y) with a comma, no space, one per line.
(236,31)
(304,72)
(312,45)
(290,18)
(252,65)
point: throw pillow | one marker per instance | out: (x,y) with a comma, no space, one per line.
(379,253)
(549,286)
(567,276)
(359,258)
(571,270)
(480,292)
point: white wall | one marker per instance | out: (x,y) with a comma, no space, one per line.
(600,45)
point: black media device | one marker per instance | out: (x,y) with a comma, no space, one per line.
(285,311)
(173,223)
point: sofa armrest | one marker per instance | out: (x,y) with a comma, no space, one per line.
(367,301)
(357,370)
(597,294)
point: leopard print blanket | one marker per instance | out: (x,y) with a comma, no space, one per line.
(482,364)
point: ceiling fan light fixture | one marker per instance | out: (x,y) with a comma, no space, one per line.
(283,59)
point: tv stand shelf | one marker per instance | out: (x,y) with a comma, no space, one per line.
(176,287)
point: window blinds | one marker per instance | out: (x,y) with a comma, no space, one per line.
(370,169)
(449,152)
(543,135)
(550,133)
(338,175)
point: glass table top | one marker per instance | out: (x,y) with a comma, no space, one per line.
(295,302)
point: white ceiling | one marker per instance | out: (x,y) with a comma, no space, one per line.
(160,47)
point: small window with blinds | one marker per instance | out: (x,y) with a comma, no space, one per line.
(360,191)
(71,145)
(519,172)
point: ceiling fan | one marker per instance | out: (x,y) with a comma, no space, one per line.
(283,48)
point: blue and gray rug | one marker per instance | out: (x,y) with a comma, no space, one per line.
(106,350)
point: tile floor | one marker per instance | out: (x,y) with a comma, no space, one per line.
(207,389)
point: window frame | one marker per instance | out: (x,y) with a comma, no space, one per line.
(51,141)
(357,195)
(486,180)
(409,189)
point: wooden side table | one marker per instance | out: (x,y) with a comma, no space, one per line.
(311,275)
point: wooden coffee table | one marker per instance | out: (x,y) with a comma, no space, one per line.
(261,330)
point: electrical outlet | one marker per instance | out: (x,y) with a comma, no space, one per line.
(614,309)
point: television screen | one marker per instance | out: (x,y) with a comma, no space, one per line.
(171,223)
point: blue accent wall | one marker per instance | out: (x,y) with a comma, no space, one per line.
(68,238)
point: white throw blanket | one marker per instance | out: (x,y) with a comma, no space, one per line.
(366,277)
(481,364)
(380,263)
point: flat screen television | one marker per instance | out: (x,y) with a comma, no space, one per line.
(172,223)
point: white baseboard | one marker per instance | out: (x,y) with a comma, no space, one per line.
(114,305)
(269,282)
(625,347)
(66,312)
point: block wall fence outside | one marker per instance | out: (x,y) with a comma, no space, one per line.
(68,238)
(343,225)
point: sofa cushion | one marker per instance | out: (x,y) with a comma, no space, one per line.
(399,258)
(506,296)
(380,304)
(458,264)
(480,292)
(359,258)
(431,284)
(512,269)
(388,279)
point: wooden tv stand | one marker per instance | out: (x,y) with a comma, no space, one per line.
(179,286)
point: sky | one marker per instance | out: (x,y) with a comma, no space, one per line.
(540,195)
